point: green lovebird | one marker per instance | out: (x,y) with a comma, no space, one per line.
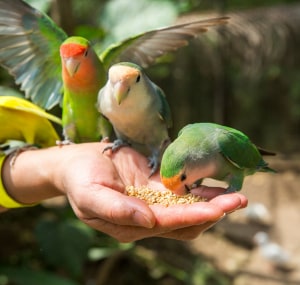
(49,65)
(83,75)
(207,150)
(138,111)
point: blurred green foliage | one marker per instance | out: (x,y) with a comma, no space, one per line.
(203,82)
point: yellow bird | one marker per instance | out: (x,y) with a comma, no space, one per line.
(22,120)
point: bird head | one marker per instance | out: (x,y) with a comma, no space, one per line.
(176,183)
(179,168)
(123,77)
(182,182)
(73,52)
(175,173)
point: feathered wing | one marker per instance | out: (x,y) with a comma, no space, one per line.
(238,149)
(143,49)
(30,42)
(164,110)
(29,50)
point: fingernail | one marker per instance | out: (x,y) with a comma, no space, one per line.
(237,208)
(221,218)
(142,220)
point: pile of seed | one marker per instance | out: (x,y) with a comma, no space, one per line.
(165,198)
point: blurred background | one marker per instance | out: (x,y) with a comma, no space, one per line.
(245,75)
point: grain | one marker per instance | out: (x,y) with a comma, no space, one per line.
(165,198)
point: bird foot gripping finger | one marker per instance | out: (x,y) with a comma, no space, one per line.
(230,189)
(64,142)
(105,140)
(117,144)
(153,164)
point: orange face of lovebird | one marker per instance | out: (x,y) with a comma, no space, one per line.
(79,64)
(73,55)
(175,184)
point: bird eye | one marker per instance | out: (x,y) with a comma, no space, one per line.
(182,177)
(86,52)
(138,79)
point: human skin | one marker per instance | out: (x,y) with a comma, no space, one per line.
(94,183)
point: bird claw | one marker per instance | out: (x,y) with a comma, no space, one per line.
(117,144)
(230,189)
(153,164)
(105,140)
(63,142)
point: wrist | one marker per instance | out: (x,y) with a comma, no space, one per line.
(28,180)
(6,201)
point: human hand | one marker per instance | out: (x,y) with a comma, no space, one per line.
(94,183)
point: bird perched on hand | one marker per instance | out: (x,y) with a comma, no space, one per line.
(207,150)
(138,111)
(24,121)
(47,64)
(83,75)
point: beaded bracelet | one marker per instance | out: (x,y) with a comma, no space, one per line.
(5,200)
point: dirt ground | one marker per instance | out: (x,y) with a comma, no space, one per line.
(230,244)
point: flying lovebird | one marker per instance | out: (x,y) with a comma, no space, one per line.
(48,65)
(138,111)
(208,150)
(24,121)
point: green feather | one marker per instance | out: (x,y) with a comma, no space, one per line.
(78,40)
(202,145)
(29,49)
(30,41)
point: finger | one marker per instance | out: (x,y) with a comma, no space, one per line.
(168,219)
(184,215)
(114,207)
(132,233)
(207,192)
(131,166)
(230,202)
(121,233)
(244,200)
(188,233)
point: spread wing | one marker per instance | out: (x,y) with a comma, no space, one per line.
(145,48)
(29,50)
